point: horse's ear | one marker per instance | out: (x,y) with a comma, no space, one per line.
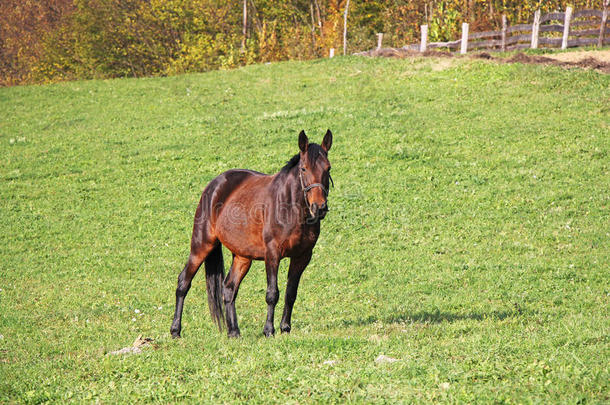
(327,142)
(303,141)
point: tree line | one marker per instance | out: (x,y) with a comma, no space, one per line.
(52,40)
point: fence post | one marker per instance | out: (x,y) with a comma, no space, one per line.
(504,31)
(332,53)
(464,48)
(245,26)
(379,39)
(424,38)
(566,28)
(602,28)
(345,28)
(535,29)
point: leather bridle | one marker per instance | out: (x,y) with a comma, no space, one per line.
(311,186)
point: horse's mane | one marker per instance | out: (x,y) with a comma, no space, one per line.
(312,152)
(291,163)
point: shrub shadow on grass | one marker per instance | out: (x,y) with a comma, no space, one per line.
(434,317)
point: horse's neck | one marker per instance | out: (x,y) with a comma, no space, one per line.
(290,186)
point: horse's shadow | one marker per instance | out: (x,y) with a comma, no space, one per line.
(434,317)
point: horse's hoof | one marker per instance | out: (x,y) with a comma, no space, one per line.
(268,332)
(285,328)
(234,334)
(176,335)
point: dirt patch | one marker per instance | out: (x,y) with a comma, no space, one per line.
(404,53)
(587,62)
(577,56)
(482,55)
(597,60)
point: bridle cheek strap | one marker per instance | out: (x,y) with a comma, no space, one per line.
(309,187)
(313,185)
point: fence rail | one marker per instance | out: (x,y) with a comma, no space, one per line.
(557,29)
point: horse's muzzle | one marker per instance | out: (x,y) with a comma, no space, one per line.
(319,212)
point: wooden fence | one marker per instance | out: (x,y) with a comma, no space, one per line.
(558,29)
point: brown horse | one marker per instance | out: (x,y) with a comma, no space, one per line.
(258,217)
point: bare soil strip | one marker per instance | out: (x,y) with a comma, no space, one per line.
(597,60)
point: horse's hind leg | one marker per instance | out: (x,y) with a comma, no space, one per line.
(238,271)
(197,256)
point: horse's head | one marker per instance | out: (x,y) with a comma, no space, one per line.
(314,173)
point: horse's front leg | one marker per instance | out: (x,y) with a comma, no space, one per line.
(272,262)
(297,266)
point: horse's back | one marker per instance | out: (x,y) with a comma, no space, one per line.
(231,183)
(234,201)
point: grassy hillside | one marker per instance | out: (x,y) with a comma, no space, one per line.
(468,236)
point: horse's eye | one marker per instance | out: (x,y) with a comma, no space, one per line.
(302,169)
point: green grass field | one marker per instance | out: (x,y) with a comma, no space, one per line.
(468,237)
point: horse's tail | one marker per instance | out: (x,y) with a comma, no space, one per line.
(214,276)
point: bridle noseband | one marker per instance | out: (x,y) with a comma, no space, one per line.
(311,186)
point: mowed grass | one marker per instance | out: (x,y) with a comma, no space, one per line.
(468,236)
